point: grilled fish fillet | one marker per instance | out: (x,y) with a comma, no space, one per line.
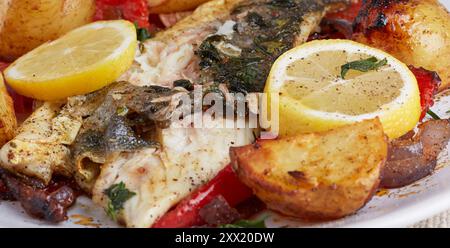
(172,54)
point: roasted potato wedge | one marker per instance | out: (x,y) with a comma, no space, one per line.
(8,121)
(317,176)
(29,23)
(171,6)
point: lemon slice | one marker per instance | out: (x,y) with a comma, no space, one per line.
(314,96)
(84,60)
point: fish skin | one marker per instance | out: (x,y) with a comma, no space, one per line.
(40,148)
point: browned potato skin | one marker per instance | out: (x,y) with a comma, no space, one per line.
(171,6)
(293,175)
(30,23)
(417,32)
(8,121)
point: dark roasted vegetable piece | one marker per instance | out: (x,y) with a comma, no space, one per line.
(218,212)
(413,158)
(50,204)
(5,194)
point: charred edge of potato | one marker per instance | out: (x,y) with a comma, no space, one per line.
(412,159)
(171,6)
(310,193)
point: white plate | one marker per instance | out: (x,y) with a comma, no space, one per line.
(397,208)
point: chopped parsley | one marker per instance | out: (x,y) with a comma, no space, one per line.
(257,223)
(118,194)
(363,65)
(433,115)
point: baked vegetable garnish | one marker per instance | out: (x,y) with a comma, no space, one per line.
(317,176)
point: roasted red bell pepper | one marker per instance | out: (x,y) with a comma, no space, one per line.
(132,10)
(186,213)
(429,83)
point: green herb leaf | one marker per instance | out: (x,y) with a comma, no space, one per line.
(142,33)
(363,65)
(257,223)
(433,115)
(118,194)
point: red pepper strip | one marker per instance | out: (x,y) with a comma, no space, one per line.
(131,10)
(429,83)
(186,213)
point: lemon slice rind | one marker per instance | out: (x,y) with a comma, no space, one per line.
(86,79)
